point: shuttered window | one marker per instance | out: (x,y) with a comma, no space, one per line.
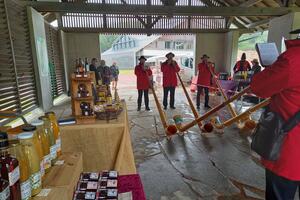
(55,61)
(17,81)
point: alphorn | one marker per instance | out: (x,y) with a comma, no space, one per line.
(213,110)
(232,111)
(169,129)
(243,115)
(190,101)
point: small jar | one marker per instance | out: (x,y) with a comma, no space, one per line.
(44,139)
(27,142)
(51,116)
(9,166)
(49,132)
(16,150)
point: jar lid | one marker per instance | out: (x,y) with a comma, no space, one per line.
(50,113)
(37,122)
(28,128)
(3,140)
(25,135)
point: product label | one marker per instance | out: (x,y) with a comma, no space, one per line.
(26,190)
(5,194)
(44,193)
(36,180)
(47,161)
(58,145)
(42,168)
(53,152)
(14,176)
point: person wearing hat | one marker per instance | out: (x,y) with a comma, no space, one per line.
(280,81)
(256,68)
(204,80)
(143,73)
(169,68)
(242,65)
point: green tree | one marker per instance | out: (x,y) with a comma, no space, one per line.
(106,41)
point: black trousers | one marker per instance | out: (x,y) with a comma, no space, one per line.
(279,188)
(172,96)
(206,91)
(146,98)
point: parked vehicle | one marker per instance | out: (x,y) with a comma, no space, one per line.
(185,62)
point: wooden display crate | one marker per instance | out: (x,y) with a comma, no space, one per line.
(62,179)
(76,111)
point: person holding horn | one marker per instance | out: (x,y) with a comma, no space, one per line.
(169,68)
(281,82)
(143,73)
(204,80)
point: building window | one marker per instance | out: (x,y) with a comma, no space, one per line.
(167,45)
(178,45)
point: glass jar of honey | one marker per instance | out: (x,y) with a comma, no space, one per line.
(9,167)
(16,150)
(51,116)
(38,145)
(52,142)
(44,139)
(27,142)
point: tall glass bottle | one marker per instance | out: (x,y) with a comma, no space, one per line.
(9,166)
(4,189)
(51,116)
(38,145)
(52,142)
(16,150)
(44,139)
(27,142)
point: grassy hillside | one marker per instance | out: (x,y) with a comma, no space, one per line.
(247,41)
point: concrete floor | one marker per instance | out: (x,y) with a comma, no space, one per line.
(194,166)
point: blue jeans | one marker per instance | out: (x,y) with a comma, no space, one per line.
(279,188)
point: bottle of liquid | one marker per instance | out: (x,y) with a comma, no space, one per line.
(9,166)
(4,189)
(108,96)
(52,142)
(51,116)
(86,65)
(38,145)
(27,142)
(44,139)
(16,150)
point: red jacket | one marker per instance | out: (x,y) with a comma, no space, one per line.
(142,77)
(242,66)
(169,74)
(204,75)
(281,82)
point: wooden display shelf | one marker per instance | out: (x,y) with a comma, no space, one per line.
(83,98)
(82,79)
(62,179)
(85,119)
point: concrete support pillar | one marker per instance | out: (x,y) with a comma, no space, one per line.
(211,44)
(220,47)
(231,45)
(280,27)
(79,45)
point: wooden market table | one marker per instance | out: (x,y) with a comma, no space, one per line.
(104,145)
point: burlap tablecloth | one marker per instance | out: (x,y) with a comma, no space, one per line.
(105,146)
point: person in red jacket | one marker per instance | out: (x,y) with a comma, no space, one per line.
(204,79)
(143,73)
(242,65)
(169,68)
(281,82)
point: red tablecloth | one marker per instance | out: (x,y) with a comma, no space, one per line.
(131,183)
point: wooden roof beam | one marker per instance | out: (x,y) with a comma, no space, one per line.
(159,10)
(249,3)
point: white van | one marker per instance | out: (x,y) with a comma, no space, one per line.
(185,62)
